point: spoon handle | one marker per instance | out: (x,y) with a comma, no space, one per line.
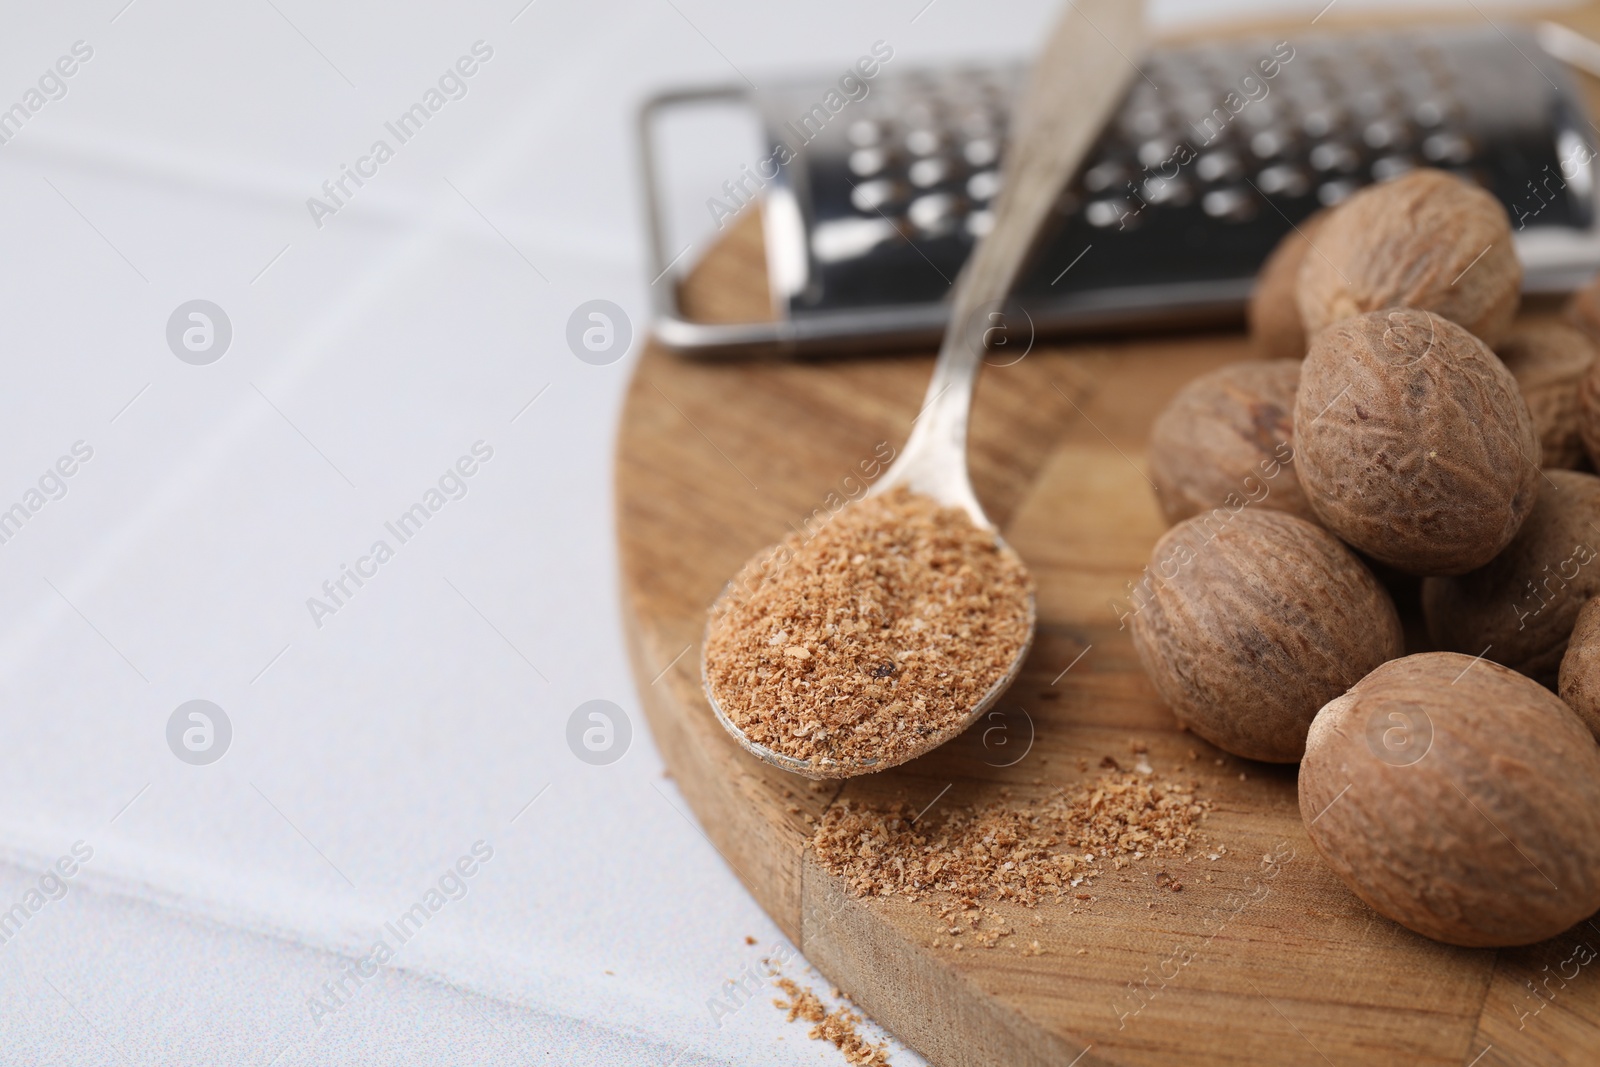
(1077,80)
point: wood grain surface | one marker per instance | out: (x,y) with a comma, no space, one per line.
(1253,962)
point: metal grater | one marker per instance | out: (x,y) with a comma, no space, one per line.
(1187,191)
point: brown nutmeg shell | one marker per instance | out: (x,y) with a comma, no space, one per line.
(1426,240)
(1459,799)
(1583,309)
(1276,329)
(1588,413)
(1549,360)
(1228,436)
(1247,622)
(1579,681)
(1413,442)
(1522,605)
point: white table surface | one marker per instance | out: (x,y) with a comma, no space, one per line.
(370,752)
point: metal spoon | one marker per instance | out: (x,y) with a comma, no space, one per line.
(1078,78)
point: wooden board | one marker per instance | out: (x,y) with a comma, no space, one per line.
(718,460)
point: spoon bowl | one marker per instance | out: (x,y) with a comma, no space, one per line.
(825,767)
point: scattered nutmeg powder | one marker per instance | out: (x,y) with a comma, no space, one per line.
(1009,849)
(837,1027)
(883,630)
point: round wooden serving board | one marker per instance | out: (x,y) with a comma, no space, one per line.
(1263,964)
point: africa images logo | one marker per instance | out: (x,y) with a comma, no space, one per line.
(452,85)
(451,886)
(52,86)
(337,592)
(50,887)
(853,86)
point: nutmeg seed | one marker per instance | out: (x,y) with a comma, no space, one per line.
(1274,313)
(1426,240)
(1519,608)
(1583,309)
(1588,413)
(1248,621)
(1579,681)
(1228,437)
(1459,799)
(1549,360)
(1413,442)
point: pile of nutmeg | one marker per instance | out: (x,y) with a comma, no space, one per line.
(1407,442)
